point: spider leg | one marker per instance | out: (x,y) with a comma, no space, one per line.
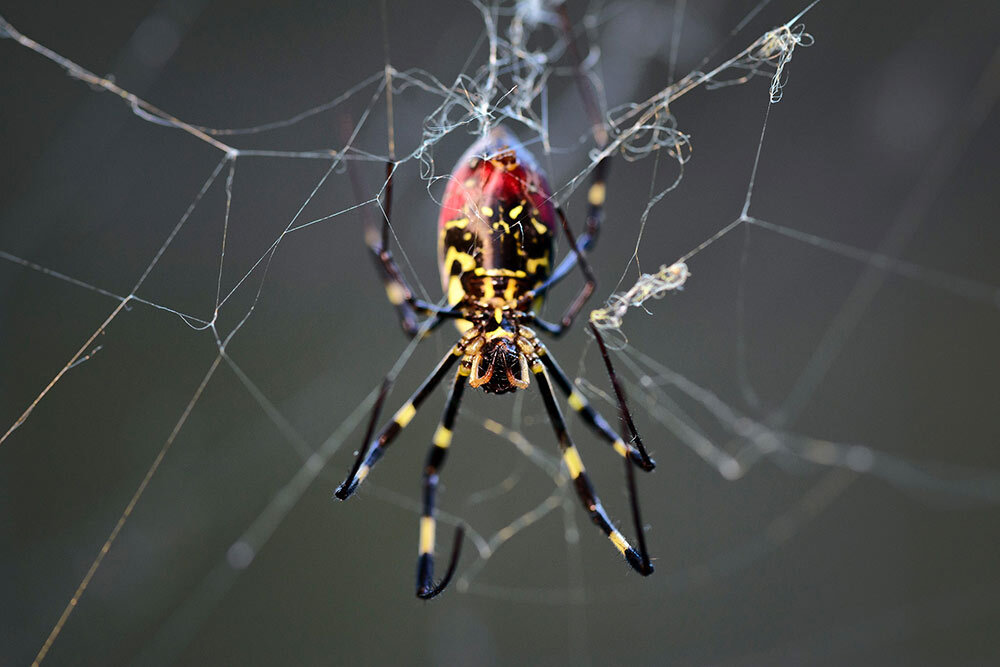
(368,457)
(596,194)
(639,560)
(581,298)
(396,288)
(595,217)
(633,449)
(398,292)
(426,589)
(623,411)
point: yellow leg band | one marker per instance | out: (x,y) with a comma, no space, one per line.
(595,197)
(426,535)
(620,447)
(405,414)
(618,541)
(442,437)
(573,462)
(396,293)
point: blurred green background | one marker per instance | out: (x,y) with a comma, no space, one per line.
(791,564)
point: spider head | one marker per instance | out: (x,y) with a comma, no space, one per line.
(499,367)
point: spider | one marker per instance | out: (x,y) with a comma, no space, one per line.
(495,245)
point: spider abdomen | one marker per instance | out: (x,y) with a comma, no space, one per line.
(484,290)
(496,225)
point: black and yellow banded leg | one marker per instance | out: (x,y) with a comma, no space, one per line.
(401,296)
(578,302)
(596,195)
(581,482)
(397,290)
(426,588)
(368,457)
(634,451)
(598,188)
(628,425)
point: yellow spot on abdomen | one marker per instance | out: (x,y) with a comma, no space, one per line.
(510,290)
(465,260)
(540,227)
(533,264)
(576,401)
(500,273)
(455,290)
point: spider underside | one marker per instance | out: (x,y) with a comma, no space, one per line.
(496,235)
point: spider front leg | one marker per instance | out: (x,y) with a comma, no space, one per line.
(397,289)
(367,458)
(581,298)
(639,560)
(596,195)
(426,589)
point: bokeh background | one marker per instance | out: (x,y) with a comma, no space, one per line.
(790,564)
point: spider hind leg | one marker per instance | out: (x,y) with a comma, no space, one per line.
(639,560)
(426,589)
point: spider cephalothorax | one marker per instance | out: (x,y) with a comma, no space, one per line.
(506,368)
(498,356)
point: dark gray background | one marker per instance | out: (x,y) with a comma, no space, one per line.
(882,574)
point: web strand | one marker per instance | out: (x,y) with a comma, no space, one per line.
(511,86)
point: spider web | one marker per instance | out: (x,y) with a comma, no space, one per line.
(200,338)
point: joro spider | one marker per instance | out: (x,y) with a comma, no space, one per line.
(495,244)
